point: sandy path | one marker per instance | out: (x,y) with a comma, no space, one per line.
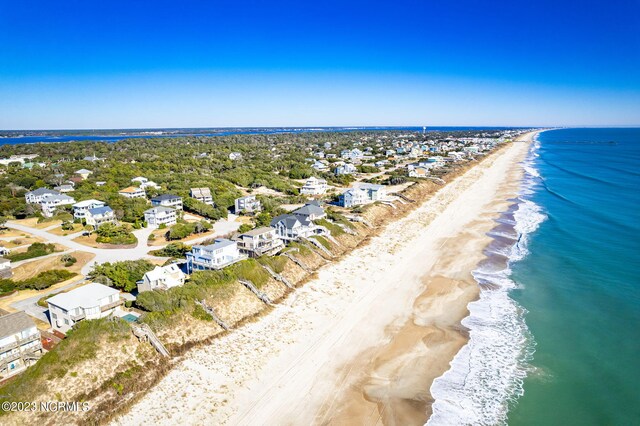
(296,364)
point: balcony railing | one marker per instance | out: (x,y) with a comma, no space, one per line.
(19,342)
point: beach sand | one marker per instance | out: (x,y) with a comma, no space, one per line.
(363,341)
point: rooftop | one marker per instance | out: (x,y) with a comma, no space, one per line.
(82,297)
(14,323)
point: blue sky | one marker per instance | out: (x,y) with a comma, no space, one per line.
(115,64)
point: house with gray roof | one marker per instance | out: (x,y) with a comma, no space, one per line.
(167,200)
(35,196)
(214,256)
(20,344)
(98,216)
(160,216)
(259,242)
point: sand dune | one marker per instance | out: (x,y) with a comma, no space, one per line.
(364,340)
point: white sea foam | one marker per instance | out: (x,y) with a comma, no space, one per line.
(487,373)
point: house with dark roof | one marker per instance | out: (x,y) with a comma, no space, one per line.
(291,227)
(36,196)
(312,211)
(20,344)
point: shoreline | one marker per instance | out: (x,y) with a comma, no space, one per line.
(320,334)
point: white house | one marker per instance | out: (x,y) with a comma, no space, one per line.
(162,278)
(314,186)
(235,156)
(99,216)
(81,208)
(456,155)
(203,195)
(160,216)
(20,344)
(319,166)
(51,203)
(259,241)
(374,192)
(291,227)
(419,172)
(353,197)
(221,253)
(133,192)
(91,301)
(247,204)
(36,196)
(345,169)
(351,154)
(167,200)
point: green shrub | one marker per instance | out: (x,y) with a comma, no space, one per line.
(122,275)
(34,250)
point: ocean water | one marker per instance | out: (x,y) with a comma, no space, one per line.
(554,337)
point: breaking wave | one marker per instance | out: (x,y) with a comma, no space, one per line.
(487,374)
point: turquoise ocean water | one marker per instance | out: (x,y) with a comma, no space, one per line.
(555,336)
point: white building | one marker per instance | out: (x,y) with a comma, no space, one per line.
(20,344)
(91,301)
(374,192)
(51,203)
(99,216)
(81,208)
(345,169)
(83,173)
(259,241)
(5,267)
(162,278)
(248,204)
(167,200)
(319,166)
(133,192)
(160,216)
(221,253)
(36,196)
(314,186)
(353,197)
(235,156)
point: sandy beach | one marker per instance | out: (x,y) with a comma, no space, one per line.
(362,342)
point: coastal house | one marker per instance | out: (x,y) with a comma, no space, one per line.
(83,173)
(259,241)
(314,186)
(290,227)
(203,195)
(20,344)
(93,158)
(351,154)
(167,200)
(81,208)
(247,204)
(98,216)
(221,253)
(162,278)
(52,203)
(311,211)
(456,155)
(418,172)
(145,183)
(36,196)
(133,192)
(374,192)
(345,169)
(353,197)
(235,156)
(63,189)
(160,215)
(91,301)
(5,267)
(319,166)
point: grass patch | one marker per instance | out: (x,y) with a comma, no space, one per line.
(41,281)
(81,344)
(322,240)
(33,251)
(277,263)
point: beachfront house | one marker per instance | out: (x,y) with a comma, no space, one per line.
(98,216)
(353,197)
(248,204)
(91,301)
(456,155)
(259,241)
(203,195)
(290,227)
(167,200)
(314,186)
(5,267)
(374,192)
(36,196)
(311,211)
(162,278)
(418,172)
(20,344)
(52,203)
(221,253)
(160,215)
(81,208)
(345,169)
(83,173)
(133,192)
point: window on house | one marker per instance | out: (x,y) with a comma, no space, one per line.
(66,321)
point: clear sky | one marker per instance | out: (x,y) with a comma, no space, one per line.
(183,63)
